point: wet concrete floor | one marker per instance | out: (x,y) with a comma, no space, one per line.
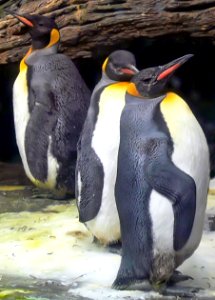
(46,254)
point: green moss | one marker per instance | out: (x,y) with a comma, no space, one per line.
(31,298)
(8,293)
(9,188)
(14,295)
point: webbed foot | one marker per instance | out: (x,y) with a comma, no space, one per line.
(179,291)
(46,194)
(177,276)
(115,247)
(131,284)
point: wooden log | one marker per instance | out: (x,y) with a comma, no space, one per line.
(88,25)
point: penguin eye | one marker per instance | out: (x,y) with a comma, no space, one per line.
(146,80)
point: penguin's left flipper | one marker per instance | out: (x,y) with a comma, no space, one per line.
(180,189)
(89,192)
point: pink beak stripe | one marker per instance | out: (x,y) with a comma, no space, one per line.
(168,71)
(25,21)
(127,71)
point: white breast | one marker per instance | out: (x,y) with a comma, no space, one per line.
(105,226)
(21,116)
(192,156)
(53,168)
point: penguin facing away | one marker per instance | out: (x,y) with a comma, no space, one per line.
(162,181)
(98,149)
(50,101)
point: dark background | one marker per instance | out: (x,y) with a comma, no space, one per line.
(195,82)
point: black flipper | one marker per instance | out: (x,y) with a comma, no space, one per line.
(180,188)
(92,176)
(89,167)
(39,128)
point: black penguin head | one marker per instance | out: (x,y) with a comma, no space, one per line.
(151,82)
(43,30)
(120,66)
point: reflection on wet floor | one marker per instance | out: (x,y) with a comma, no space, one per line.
(13,174)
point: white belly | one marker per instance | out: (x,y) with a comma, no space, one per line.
(105,226)
(162,221)
(53,167)
(21,118)
(193,159)
(192,156)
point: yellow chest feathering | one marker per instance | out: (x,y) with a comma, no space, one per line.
(177,114)
(22,79)
(23,66)
(112,97)
(172,103)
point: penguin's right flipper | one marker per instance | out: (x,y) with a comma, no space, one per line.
(89,183)
(180,189)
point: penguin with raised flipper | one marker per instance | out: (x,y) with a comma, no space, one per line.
(162,181)
(50,102)
(98,149)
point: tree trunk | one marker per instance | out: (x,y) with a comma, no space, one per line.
(89,25)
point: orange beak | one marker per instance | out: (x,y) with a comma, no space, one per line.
(172,66)
(22,18)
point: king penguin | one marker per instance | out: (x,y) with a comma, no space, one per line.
(162,180)
(50,102)
(98,149)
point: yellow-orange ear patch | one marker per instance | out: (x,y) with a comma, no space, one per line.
(105,64)
(132,90)
(54,37)
(127,71)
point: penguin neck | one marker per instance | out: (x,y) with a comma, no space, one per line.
(33,53)
(104,81)
(137,100)
(154,97)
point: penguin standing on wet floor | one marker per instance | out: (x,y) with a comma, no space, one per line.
(162,180)
(98,149)
(50,101)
